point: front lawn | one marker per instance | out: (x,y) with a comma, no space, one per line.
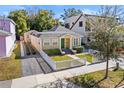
(11,67)
(88,57)
(68,64)
(96,79)
(61,58)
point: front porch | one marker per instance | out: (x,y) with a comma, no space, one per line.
(68,42)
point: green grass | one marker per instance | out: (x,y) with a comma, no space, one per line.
(11,67)
(88,80)
(88,57)
(52,52)
(65,61)
(68,64)
(61,58)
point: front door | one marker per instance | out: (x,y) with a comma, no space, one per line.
(62,43)
(67,43)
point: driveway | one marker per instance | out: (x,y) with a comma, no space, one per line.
(33,64)
(30,67)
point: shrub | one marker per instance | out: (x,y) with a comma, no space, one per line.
(52,52)
(78,49)
(84,80)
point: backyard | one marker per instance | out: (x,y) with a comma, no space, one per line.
(95,79)
(11,67)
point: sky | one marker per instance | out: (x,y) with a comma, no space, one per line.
(57,9)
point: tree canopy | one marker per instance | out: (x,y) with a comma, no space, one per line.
(20,17)
(106,33)
(41,20)
(70,12)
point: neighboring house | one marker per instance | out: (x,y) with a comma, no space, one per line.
(81,24)
(7,36)
(58,37)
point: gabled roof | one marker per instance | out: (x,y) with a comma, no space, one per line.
(58,32)
(5,33)
(59,28)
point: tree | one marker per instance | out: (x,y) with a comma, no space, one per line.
(20,17)
(43,20)
(106,33)
(70,12)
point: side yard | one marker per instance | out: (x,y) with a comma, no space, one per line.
(11,67)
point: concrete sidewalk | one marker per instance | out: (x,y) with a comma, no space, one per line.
(34,80)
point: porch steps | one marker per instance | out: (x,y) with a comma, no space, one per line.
(67,51)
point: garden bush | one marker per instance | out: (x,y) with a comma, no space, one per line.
(52,52)
(78,49)
(84,81)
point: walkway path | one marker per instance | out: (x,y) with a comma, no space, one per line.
(34,80)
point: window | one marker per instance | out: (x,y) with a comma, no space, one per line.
(46,43)
(81,24)
(67,25)
(76,42)
(54,43)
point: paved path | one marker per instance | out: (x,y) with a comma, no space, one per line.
(34,80)
(30,67)
(33,64)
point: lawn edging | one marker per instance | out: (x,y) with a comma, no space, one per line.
(48,60)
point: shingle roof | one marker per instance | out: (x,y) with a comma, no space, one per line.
(59,28)
(5,33)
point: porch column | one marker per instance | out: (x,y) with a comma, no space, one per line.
(71,43)
(80,41)
(60,43)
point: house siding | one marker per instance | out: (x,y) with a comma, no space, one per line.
(51,41)
(7,42)
(5,25)
(2,46)
(35,41)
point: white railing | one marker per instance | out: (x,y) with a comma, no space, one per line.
(48,60)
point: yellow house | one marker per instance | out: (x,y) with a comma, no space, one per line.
(58,37)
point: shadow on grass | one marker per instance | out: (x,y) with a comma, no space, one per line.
(96,84)
(119,83)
